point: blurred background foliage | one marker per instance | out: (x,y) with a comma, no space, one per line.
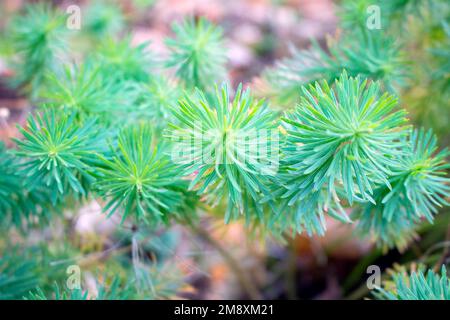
(272,46)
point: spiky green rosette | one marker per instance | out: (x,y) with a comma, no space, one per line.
(373,56)
(417,286)
(89,89)
(155,99)
(139,178)
(419,188)
(197,53)
(38,35)
(340,140)
(228,147)
(59,152)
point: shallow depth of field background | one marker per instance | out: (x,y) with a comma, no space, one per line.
(331,267)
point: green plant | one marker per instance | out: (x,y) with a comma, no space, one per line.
(221,143)
(126,62)
(139,178)
(155,99)
(197,53)
(371,55)
(58,152)
(88,89)
(168,141)
(344,140)
(20,202)
(348,134)
(103,18)
(16,277)
(114,291)
(418,188)
(36,36)
(417,286)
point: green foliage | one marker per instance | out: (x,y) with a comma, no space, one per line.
(145,282)
(115,291)
(225,144)
(139,178)
(22,268)
(58,152)
(428,95)
(346,136)
(421,178)
(88,89)
(125,61)
(419,188)
(442,54)
(417,286)
(354,14)
(155,99)
(343,150)
(75,294)
(197,53)
(157,282)
(103,19)
(37,36)
(369,55)
(17,276)
(17,201)
(7,185)
(305,215)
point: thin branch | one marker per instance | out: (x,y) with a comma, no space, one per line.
(445,252)
(249,287)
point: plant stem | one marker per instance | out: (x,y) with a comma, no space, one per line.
(444,253)
(233,264)
(359,293)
